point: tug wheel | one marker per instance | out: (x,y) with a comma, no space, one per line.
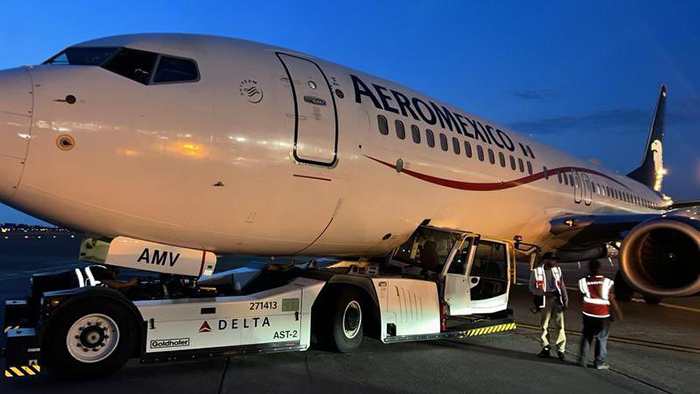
(341,327)
(91,338)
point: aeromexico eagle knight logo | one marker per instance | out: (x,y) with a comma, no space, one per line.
(249,89)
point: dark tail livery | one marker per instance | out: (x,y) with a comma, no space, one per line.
(651,170)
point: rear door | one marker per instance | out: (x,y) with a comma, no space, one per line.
(578,190)
(587,189)
(316,123)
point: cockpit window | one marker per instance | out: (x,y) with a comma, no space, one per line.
(173,69)
(133,64)
(82,56)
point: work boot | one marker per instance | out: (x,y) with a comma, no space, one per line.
(544,353)
(561,356)
(602,366)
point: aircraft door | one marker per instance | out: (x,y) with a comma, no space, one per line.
(587,189)
(456,291)
(316,123)
(578,190)
(488,277)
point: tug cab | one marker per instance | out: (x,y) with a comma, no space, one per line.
(473,272)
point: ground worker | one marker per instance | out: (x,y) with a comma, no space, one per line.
(598,295)
(547,285)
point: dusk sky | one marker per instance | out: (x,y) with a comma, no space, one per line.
(582,76)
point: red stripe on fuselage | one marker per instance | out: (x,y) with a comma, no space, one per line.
(491,186)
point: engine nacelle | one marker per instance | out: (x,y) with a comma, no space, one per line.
(661,257)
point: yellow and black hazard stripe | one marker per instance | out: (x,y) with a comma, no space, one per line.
(8,328)
(22,370)
(490,330)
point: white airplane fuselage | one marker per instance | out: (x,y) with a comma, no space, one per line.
(278,153)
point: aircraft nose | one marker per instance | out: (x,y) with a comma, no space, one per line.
(16,105)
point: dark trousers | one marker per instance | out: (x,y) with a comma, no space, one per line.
(598,328)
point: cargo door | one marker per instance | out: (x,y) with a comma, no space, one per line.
(316,123)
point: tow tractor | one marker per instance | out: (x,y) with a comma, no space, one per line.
(86,322)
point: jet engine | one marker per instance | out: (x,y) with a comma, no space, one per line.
(661,257)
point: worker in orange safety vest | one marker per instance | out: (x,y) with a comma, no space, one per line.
(547,285)
(598,296)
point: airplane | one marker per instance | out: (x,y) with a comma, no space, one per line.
(233,147)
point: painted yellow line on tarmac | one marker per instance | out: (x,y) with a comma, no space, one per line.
(681,307)
(630,341)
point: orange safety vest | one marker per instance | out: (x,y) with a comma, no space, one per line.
(541,282)
(596,293)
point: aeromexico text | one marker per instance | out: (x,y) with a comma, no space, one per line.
(396,102)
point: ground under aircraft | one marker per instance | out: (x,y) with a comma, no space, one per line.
(230,146)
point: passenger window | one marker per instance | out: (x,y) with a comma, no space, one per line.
(492,158)
(468,148)
(521,165)
(546,173)
(480,152)
(502,159)
(529,167)
(400,130)
(133,64)
(172,69)
(415,133)
(455,145)
(383,125)
(571,179)
(512,163)
(430,138)
(559,176)
(443,142)
(566,179)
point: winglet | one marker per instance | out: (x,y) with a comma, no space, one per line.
(652,171)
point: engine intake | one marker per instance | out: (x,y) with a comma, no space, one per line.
(660,257)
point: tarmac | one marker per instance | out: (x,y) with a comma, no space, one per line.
(655,349)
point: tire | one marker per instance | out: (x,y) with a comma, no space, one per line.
(90,339)
(652,300)
(341,321)
(623,291)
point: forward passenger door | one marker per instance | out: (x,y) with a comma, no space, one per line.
(316,122)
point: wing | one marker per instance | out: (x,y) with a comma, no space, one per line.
(593,230)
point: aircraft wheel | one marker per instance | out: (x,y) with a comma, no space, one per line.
(89,339)
(342,329)
(623,291)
